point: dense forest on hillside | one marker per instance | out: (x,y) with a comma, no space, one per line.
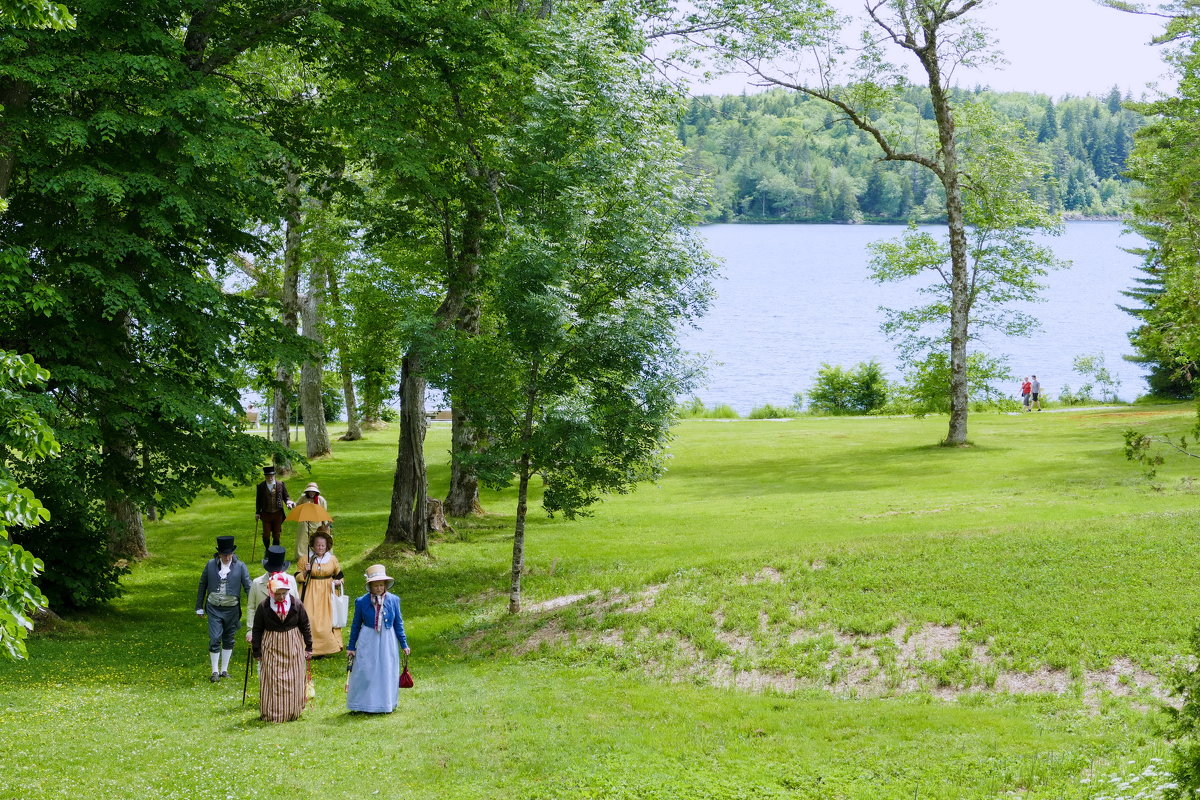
(781,156)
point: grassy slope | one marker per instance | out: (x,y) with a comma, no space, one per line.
(1040,543)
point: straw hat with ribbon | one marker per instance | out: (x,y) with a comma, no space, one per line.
(377,572)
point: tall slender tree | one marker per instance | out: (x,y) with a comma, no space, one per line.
(576,373)
(940,36)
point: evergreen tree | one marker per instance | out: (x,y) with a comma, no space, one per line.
(1049,128)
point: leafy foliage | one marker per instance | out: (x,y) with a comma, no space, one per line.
(1164,213)
(695,409)
(1005,263)
(1183,728)
(136,180)
(1168,336)
(575,375)
(769,411)
(927,382)
(1091,367)
(35,14)
(860,390)
(24,435)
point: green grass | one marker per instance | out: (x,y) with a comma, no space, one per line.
(810,557)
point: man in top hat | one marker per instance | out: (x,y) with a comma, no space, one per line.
(271,504)
(276,561)
(220,598)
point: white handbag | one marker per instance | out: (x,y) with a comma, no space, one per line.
(339,607)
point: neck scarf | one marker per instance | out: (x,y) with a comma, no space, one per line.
(378,601)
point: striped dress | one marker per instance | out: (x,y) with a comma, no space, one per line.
(281,644)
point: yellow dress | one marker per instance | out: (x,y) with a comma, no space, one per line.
(326,638)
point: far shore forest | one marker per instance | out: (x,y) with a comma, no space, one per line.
(780,156)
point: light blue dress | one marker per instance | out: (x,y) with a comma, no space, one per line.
(375,678)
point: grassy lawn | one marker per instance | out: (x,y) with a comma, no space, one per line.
(815,608)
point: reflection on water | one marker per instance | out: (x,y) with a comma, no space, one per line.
(794,296)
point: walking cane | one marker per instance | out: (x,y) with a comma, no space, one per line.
(307,579)
(246,680)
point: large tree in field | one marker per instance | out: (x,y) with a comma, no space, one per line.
(939,36)
(428,126)
(132,178)
(576,372)
(1000,165)
(24,431)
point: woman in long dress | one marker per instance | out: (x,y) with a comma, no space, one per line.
(305,530)
(374,662)
(321,574)
(282,642)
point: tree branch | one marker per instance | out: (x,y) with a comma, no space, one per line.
(860,122)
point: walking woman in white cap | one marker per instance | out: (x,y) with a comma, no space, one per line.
(374,662)
(282,642)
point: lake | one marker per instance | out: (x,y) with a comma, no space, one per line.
(791,297)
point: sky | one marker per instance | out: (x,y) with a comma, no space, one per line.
(1055,47)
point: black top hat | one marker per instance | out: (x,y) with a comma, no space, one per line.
(274,562)
(225,544)
(268,470)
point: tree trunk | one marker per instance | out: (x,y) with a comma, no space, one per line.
(126,534)
(290,303)
(463,308)
(955,220)
(463,497)
(151,511)
(312,373)
(281,428)
(374,387)
(408,521)
(353,429)
(122,467)
(14,96)
(518,558)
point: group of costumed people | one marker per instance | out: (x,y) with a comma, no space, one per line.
(292,618)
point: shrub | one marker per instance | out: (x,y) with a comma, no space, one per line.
(1082,397)
(73,543)
(1183,726)
(1105,382)
(773,412)
(861,390)
(695,409)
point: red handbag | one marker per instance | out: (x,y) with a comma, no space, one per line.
(406,681)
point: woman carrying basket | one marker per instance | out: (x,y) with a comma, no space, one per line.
(321,577)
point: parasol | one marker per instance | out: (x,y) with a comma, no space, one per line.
(309,512)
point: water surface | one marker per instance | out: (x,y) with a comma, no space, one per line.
(794,296)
